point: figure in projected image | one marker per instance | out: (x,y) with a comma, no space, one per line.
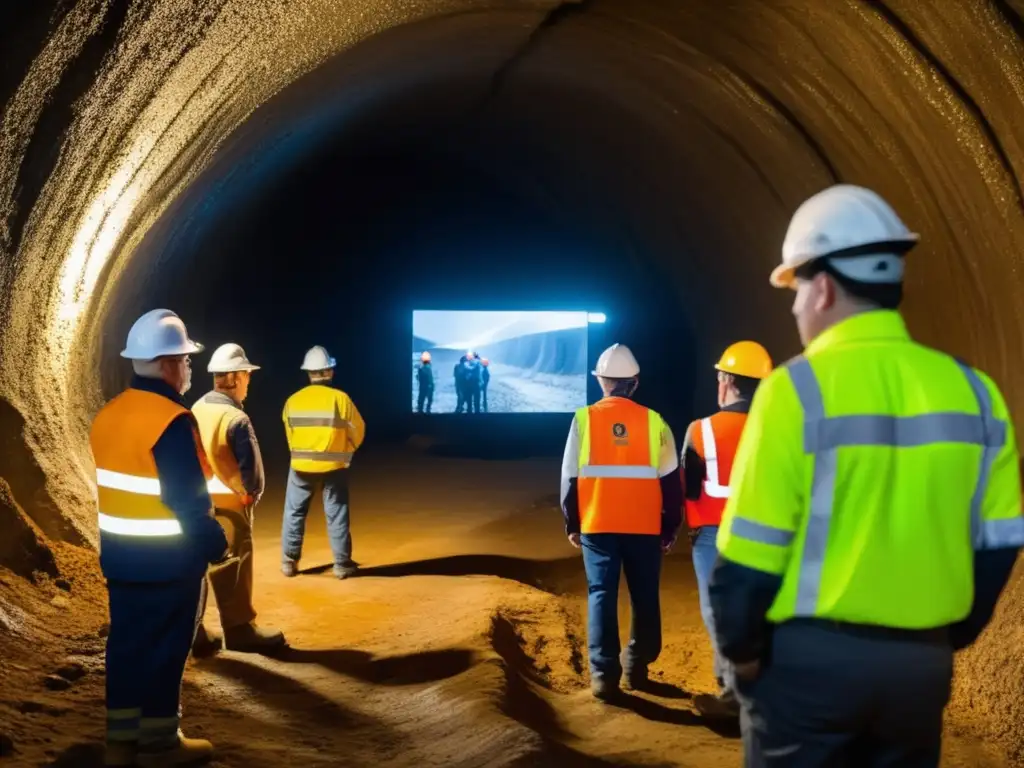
(425,384)
(623,503)
(471,382)
(458,373)
(324,430)
(485,379)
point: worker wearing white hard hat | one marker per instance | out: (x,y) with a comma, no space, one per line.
(622,502)
(158,535)
(874,514)
(324,430)
(231,448)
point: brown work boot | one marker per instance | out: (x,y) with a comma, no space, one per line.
(185,752)
(721,707)
(119,754)
(206,643)
(248,638)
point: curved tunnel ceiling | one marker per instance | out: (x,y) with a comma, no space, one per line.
(685,134)
(678,136)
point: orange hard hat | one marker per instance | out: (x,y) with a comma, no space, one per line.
(746,358)
(485,361)
(425,357)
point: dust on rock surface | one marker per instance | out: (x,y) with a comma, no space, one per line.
(445,651)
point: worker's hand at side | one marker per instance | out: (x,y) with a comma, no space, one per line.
(748,670)
(574,539)
(667,544)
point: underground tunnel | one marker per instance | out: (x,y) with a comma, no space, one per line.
(284,174)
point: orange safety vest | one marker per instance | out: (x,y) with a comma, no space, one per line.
(128,486)
(620,449)
(714,439)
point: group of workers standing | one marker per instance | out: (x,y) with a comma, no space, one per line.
(177,488)
(853,523)
(471,375)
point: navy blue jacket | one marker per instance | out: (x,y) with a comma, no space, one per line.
(183,489)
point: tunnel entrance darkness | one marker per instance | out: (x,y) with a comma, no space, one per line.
(290,173)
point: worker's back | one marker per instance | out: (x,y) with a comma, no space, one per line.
(894,448)
(324,428)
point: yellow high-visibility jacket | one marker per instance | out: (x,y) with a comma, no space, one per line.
(324,429)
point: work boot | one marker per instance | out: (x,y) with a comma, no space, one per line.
(636,679)
(721,707)
(185,752)
(248,638)
(119,754)
(290,567)
(604,690)
(206,643)
(346,571)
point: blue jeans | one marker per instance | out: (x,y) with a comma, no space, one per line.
(297,497)
(152,626)
(704,554)
(605,555)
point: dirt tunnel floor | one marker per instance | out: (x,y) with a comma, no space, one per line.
(462,644)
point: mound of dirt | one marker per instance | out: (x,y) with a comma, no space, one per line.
(988,688)
(23,547)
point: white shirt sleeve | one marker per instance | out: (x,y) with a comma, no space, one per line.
(570,459)
(669,457)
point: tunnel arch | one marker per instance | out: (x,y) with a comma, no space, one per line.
(684,136)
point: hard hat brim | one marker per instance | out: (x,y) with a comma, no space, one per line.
(232,369)
(332,366)
(740,372)
(784,275)
(190,348)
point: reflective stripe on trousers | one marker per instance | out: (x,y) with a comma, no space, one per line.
(712,486)
(823,436)
(143,486)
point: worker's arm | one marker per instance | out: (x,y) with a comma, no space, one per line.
(287,426)
(694,471)
(246,450)
(357,427)
(1001,533)
(760,519)
(671,490)
(183,488)
(570,474)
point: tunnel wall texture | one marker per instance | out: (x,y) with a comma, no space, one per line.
(734,111)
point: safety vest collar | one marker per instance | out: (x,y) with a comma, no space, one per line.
(876,324)
(157,387)
(213,397)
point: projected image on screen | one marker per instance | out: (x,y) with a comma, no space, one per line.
(498,362)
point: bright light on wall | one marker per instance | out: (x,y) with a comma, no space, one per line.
(596,317)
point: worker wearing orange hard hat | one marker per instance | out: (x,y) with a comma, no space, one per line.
(424,383)
(707,457)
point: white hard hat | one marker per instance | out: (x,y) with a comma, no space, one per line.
(158,333)
(859,231)
(317,359)
(229,358)
(616,362)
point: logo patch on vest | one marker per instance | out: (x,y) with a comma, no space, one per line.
(619,433)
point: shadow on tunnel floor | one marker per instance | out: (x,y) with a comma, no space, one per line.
(554,576)
(410,669)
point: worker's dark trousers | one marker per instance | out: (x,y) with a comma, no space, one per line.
(853,697)
(483,395)
(152,626)
(425,400)
(605,555)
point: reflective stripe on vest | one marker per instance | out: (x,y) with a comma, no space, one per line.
(157,521)
(824,435)
(331,456)
(317,419)
(712,487)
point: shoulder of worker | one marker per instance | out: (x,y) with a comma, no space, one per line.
(776,394)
